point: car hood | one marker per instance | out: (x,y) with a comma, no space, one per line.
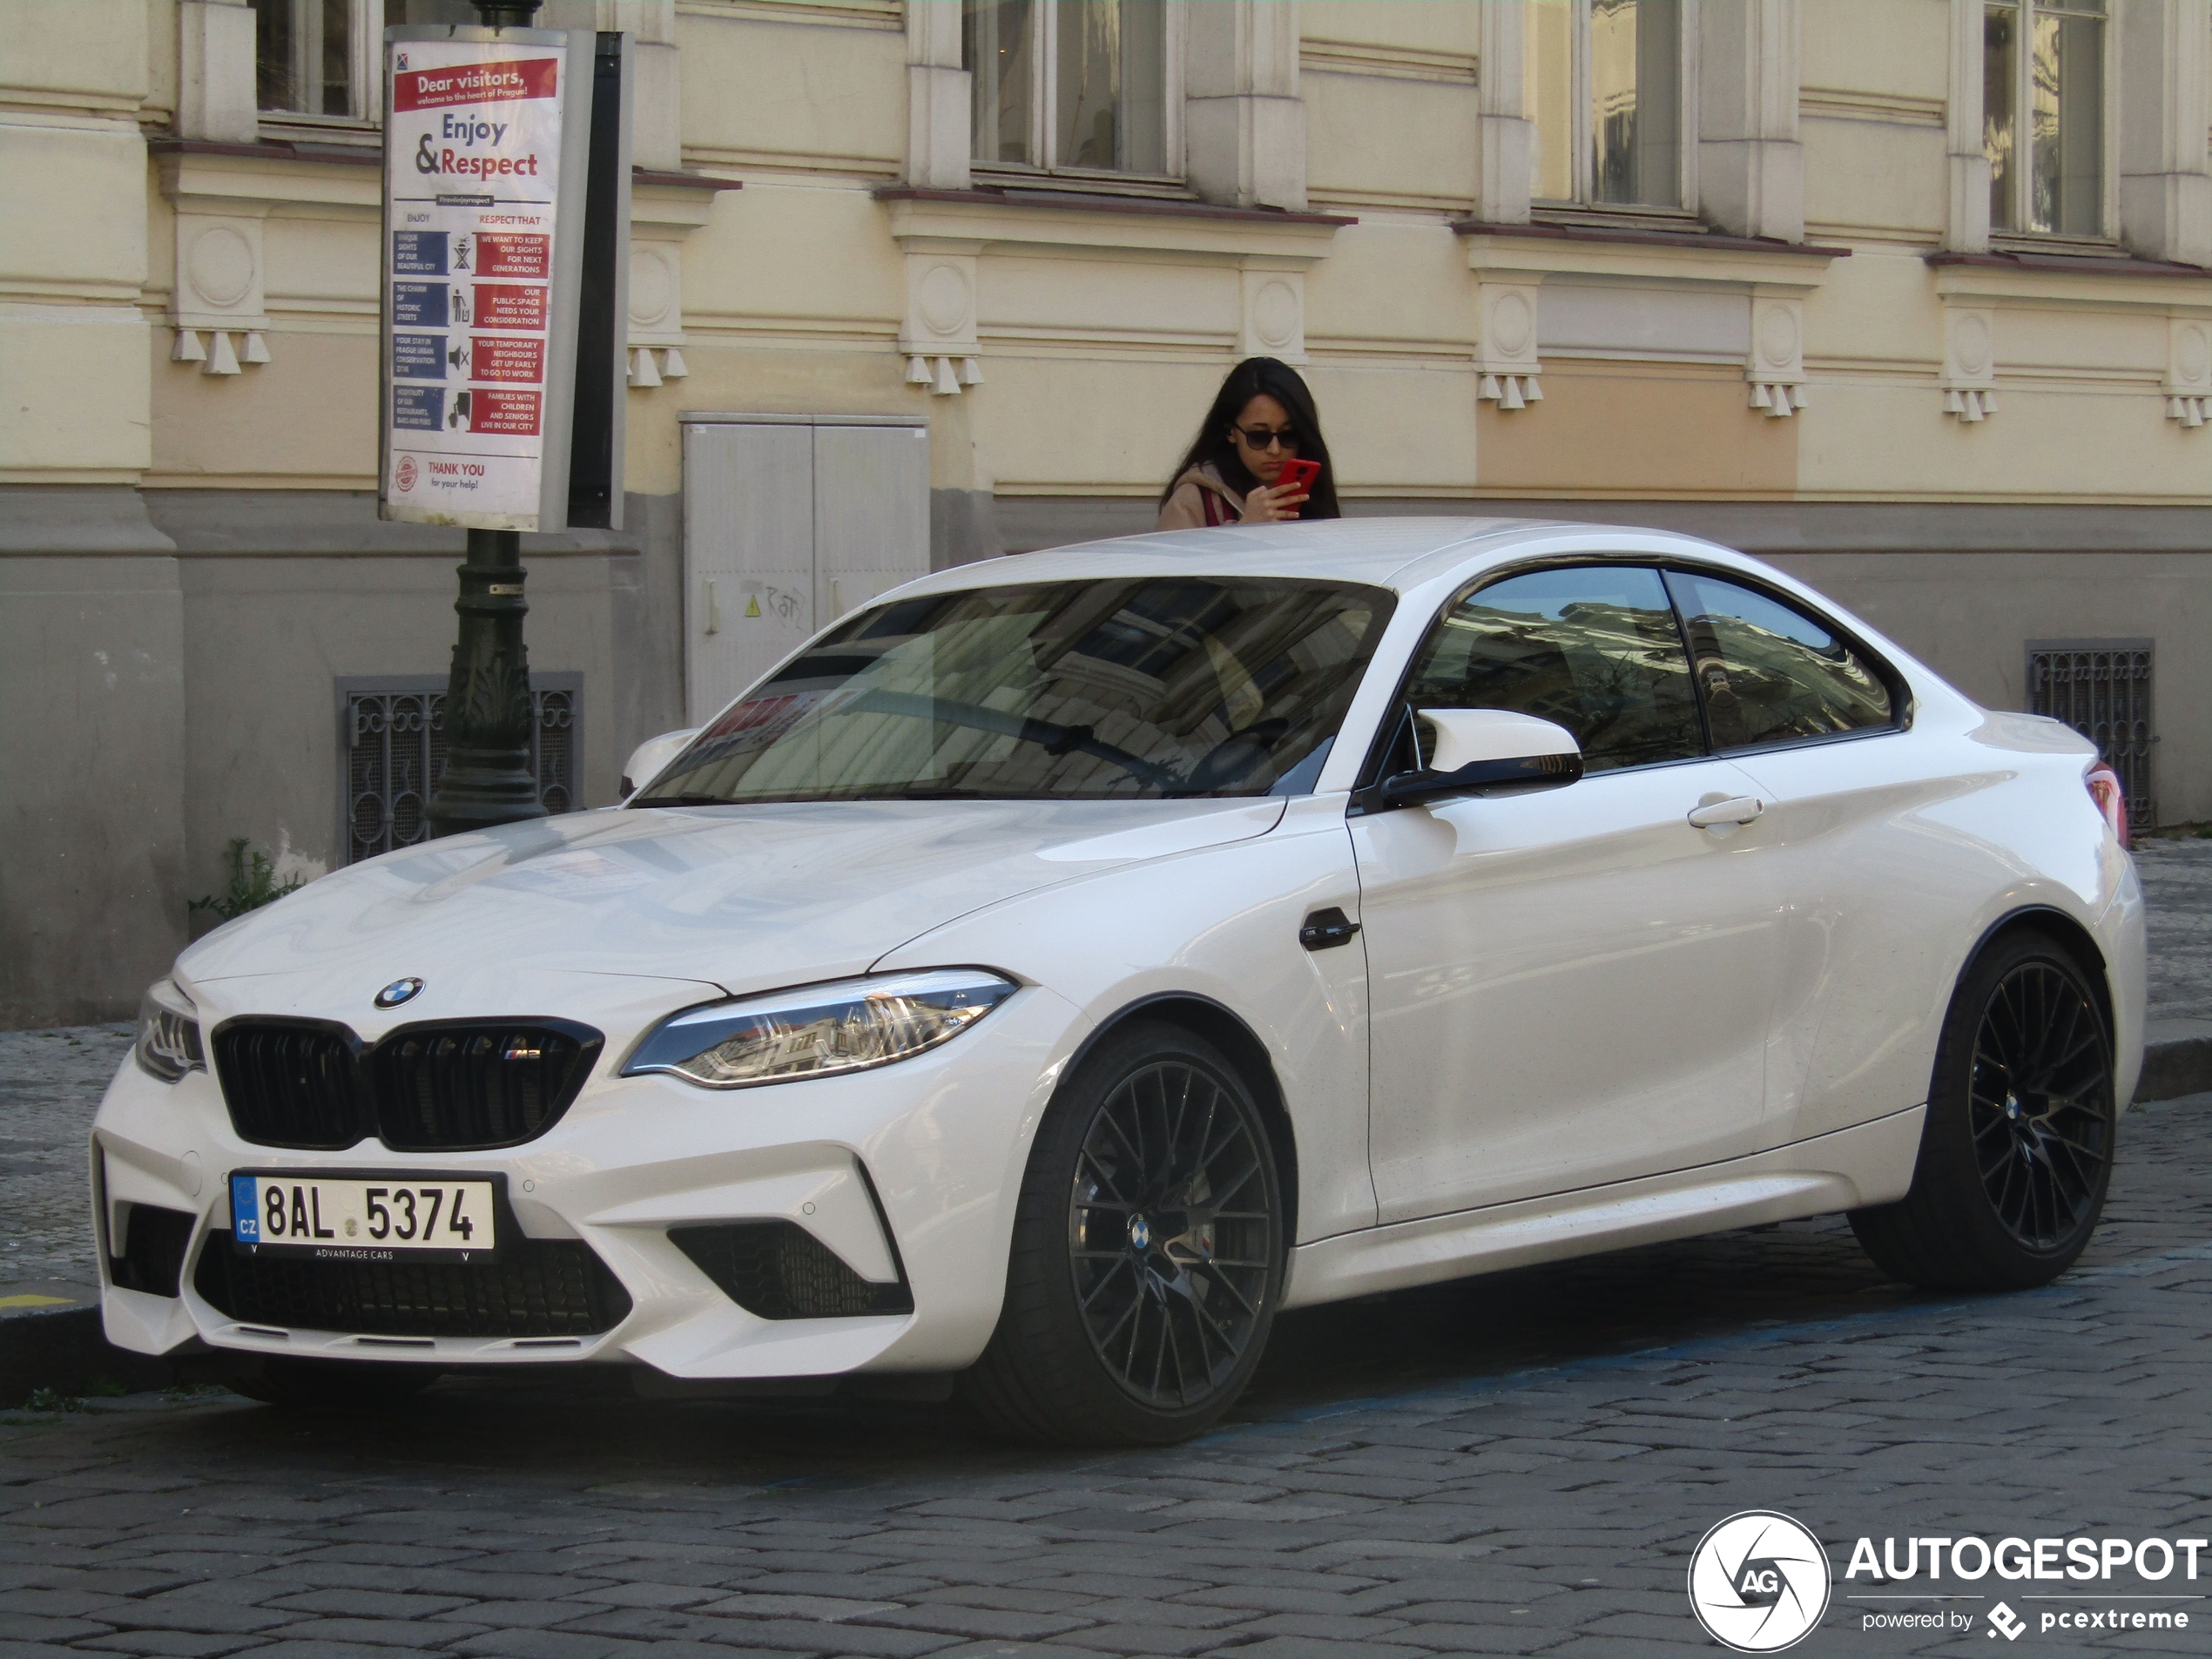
(746,898)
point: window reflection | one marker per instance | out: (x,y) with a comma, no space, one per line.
(1593,650)
(1601,85)
(996,46)
(1771,674)
(1129,690)
(1069,84)
(2046,166)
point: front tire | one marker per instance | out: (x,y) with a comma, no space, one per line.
(1148,1253)
(2016,1154)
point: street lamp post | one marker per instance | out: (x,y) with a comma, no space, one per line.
(488,778)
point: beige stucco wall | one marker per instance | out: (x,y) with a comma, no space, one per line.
(793,288)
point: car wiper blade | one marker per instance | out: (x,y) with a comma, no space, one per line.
(680,800)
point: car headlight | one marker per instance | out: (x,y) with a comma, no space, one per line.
(819,1030)
(168,1044)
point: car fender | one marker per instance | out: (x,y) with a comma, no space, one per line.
(1219,924)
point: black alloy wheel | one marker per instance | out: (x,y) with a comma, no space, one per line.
(1149,1251)
(1170,1235)
(2016,1151)
(2039,1103)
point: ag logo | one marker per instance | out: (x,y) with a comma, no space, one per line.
(1758,1582)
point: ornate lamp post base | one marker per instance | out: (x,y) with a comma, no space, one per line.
(488,778)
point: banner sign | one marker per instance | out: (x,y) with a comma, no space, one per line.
(485,139)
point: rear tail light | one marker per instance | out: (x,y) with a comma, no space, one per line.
(2103,785)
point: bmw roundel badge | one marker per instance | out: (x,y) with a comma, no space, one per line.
(399,991)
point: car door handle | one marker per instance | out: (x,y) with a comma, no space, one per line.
(1742,810)
(1326,929)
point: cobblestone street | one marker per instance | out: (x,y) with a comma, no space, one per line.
(1514,1464)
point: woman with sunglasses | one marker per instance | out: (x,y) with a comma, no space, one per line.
(1262,418)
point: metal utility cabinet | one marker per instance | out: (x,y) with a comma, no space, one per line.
(789,521)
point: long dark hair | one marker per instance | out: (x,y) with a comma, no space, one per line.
(1259,377)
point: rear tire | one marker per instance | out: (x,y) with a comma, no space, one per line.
(347,1384)
(2016,1153)
(1148,1252)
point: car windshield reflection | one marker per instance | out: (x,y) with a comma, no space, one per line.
(1152,688)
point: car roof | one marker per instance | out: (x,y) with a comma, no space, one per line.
(1388,552)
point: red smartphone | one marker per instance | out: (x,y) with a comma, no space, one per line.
(1301,475)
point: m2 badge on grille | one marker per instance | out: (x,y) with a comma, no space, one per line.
(346,1219)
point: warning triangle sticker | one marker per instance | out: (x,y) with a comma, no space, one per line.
(753,606)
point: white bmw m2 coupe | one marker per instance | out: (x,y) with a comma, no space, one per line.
(1062,965)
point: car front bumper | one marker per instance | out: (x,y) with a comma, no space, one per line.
(931,1150)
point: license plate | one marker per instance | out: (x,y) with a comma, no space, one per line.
(341,1219)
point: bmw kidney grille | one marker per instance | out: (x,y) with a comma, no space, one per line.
(454,1086)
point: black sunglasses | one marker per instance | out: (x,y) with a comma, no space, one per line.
(1260,438)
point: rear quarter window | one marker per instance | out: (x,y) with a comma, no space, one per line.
(1770,673)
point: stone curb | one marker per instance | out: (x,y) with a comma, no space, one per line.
(2177,1059)
(65,1350)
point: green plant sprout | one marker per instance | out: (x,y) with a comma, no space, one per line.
(252,883)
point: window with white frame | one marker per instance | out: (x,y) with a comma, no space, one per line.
(2043,116)
(1071,85)
(1603,82)
(322,60)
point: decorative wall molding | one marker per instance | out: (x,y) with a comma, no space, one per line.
(2188,370)
(944,234)
(1505,363)
(224,195)
(1769,279)
(1776,364)
(664,209)
(1273,312)
(938,337)
(217,292)
(1969,380)
(2138,291)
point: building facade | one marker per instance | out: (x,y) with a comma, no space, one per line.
(1909,296)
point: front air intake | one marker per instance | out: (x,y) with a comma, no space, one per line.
(779,1270)
(529,1287)
(153,1257)
(451,1086)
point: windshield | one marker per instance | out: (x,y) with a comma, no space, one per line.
(1123,690)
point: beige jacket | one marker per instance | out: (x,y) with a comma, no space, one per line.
(1186,507)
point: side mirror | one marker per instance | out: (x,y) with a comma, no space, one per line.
(1489,752)
(649,757)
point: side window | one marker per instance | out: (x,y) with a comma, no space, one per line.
(1769,673)
(1594,649)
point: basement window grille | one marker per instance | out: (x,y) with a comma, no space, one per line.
(2102,689)
(393,737)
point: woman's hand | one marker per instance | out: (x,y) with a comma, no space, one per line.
(1269,504)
